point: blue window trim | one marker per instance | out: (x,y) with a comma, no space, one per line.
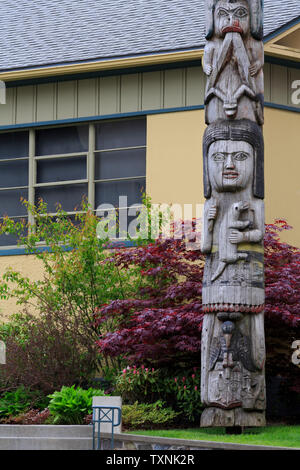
(98,118)
(282,107)
(123,115)
(22,251)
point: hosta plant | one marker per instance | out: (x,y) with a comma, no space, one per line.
(70,405)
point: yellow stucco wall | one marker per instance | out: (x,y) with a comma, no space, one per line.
(174,157)
(282,170)
(174,173)
(29,266)
(174,163)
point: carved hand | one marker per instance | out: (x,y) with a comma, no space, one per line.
(254,68)
(207,69)
(236,237)
(212,213)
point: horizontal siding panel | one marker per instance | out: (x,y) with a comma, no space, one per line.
(45,102)
(195,86)
(294,95)
(8,110)
(130,93)
(87,101)
(267,77)
(109,95)
(174,88)
(66,100)
(174,95)
(152,90)
(25,104)
(279,84)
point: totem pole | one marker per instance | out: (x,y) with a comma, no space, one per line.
(233,344)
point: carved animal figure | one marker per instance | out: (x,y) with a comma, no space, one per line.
(228,251)
(231,346)
(233,60)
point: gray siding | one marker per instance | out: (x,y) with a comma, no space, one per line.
(175,88)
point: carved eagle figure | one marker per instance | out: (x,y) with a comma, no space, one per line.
(240,348)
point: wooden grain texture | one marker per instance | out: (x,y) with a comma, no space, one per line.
(233,343)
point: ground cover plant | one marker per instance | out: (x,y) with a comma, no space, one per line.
(279,436)
(148,415)
(71,405)
(20,400)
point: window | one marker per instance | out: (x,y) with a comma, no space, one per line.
(14,158)
(99,161)
(61,166)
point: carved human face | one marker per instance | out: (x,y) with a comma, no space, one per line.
(230,165)
(232,17)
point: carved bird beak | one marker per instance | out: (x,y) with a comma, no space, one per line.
(228,340)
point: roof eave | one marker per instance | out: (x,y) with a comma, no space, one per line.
(101,65)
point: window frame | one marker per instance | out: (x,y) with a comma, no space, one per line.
(90,155)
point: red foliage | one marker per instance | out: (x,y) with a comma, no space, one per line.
(163,325)
(30,417)
(282,312)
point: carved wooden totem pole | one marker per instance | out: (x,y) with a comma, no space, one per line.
(233,343)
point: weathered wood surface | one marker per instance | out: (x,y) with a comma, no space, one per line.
(233,344)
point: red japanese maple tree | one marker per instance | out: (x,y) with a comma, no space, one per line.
(162,324)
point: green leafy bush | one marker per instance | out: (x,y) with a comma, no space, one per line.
(77,275)
(20,400)
(70,405)
(179,391)
(147,416)
(48,352)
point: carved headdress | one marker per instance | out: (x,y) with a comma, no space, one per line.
(256,9)
(245,130)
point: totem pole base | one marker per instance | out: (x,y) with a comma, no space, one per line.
(237,417)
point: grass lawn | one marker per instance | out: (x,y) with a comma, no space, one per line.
(284,436)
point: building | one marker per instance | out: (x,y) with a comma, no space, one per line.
(106,98)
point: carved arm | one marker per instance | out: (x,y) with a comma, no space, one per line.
(209,216)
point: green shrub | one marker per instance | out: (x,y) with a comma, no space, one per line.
(179,390)
(147,415)
(70,405)
(20,400)
(76,280)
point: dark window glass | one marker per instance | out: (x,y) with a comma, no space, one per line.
(69,196)
(108,193)
(13,173)
(14,145)
(120,164)
(10,203)
(59,140)
(61,169)
(120,134)
(8,239)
